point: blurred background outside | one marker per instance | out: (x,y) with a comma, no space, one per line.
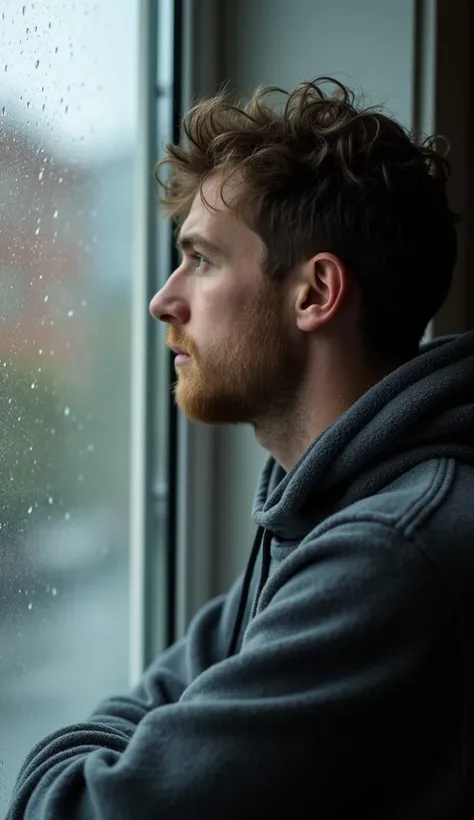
(68,119)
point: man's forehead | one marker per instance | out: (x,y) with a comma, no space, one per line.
(211,216)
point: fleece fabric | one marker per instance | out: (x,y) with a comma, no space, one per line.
(335,678)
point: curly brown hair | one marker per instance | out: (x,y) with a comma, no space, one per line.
(325,173)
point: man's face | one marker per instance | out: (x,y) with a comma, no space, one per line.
(246,361)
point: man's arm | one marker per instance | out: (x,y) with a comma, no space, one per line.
(330,703)
(174,670)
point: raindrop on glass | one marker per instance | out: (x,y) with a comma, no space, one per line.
(41,174)
(67,410)
(30,510)
(54,591)
(37,61)
(3,110)
(30,605)
(50,500)
(37,234)
(55,215)
(24,10)
(46,298)
(70,313)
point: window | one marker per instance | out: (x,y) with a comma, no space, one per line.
(68,153)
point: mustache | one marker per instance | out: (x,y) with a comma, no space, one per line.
(174,340)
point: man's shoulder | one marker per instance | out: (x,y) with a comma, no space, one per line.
(436,494)
(429,508)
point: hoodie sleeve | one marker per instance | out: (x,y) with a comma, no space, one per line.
(334,673)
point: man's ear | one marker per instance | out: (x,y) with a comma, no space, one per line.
(320,291)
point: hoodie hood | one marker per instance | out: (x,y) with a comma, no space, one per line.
(422,410)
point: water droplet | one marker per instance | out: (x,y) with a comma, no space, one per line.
(37,61)
(54,591)
(30,510)
(37,234)
(3,110)
(46,298)
(90,448)
(60,180)
(33,385)
(41,174)
(6,68)
(30,605)
(40,351)
(56,214)
(50,500)
(67,410)
(24,10)
(67,516)
(56,50)
(28,104)
(70,313)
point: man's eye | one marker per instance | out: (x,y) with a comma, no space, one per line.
(201,261)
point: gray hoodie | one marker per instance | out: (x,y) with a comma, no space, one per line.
(335,679)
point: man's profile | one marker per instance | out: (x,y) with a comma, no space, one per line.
(335,678)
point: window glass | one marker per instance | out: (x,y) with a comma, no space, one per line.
(67,148)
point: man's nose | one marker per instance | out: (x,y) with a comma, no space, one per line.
(167,306)
(155,307)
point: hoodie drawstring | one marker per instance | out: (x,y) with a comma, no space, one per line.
(266,536)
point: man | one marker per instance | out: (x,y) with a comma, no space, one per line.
(335,678)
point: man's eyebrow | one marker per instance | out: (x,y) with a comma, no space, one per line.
(190,241)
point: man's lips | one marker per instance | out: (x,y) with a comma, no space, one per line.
(179,351)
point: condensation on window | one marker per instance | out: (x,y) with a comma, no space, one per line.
(67,143)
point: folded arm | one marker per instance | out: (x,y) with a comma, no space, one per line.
(335,672)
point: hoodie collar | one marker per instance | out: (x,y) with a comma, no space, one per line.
(422,410)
